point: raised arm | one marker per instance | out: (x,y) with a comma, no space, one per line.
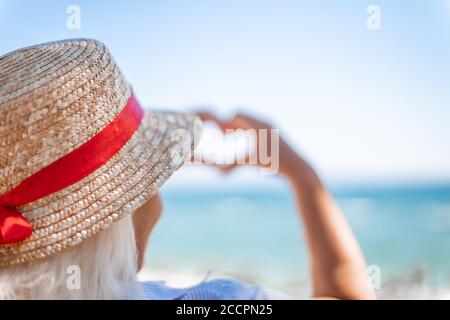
(338,268)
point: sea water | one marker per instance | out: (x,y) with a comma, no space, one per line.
(256,236)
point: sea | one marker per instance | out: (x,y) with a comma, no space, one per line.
(255,235)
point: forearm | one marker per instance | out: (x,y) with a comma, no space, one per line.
(338,266)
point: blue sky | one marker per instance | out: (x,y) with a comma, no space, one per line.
(362,105)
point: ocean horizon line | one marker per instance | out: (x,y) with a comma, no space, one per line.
(335,187)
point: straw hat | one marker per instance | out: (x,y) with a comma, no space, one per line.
(56,99)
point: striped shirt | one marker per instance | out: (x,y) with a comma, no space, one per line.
(219,289)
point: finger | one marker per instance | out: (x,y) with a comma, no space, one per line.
(225,168)
(246,121)
(209,116)
(239,121)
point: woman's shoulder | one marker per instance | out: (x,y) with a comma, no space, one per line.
(217,289)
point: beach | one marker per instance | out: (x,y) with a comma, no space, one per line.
(256,237)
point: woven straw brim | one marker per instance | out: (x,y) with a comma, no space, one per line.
(66,218)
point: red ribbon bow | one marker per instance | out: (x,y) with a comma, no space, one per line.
(66,171)
(13,226)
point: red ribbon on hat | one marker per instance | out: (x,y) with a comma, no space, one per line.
(66,171)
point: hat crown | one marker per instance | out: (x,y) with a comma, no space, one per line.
(70,96)
(53,98)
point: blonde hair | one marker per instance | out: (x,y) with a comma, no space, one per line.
(105,264)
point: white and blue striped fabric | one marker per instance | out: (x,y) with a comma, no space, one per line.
(219,289)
